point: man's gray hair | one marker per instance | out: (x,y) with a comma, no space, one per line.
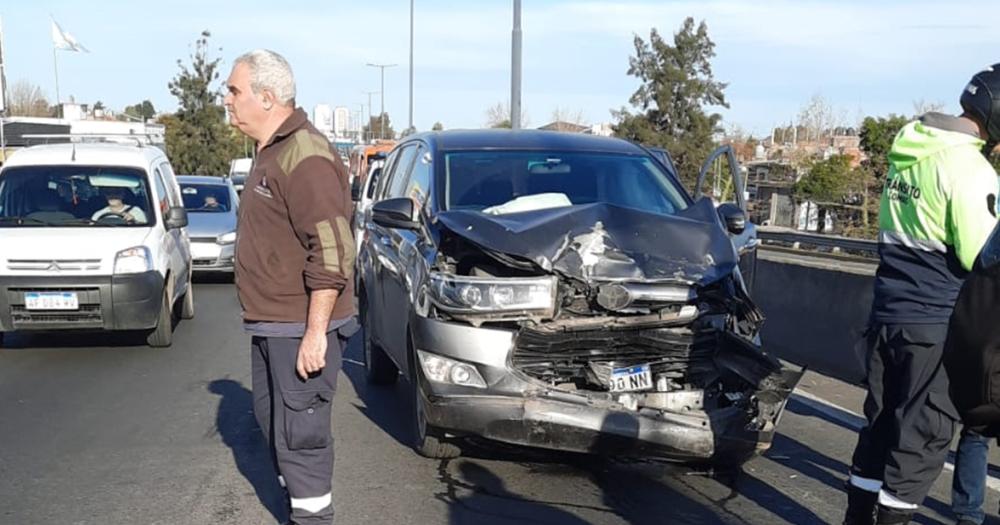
(270,71)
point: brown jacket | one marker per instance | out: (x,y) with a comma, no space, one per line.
(294,232)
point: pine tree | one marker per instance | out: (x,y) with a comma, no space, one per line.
(676,86)
(199,140)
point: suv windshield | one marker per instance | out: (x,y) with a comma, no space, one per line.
(499,182)
(99,196)
(206,198)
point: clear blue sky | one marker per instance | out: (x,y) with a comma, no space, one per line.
(865,57)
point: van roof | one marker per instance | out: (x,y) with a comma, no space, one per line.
(86,154)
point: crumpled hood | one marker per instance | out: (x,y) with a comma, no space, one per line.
(921,139)
(604,242)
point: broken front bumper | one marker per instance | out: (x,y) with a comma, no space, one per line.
(517,409)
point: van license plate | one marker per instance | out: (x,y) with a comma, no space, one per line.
(631,379)
(51,301)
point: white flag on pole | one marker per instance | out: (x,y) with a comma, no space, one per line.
(63,40)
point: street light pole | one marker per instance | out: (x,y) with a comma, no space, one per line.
(381,117)
(515,69)
(369,121)
(410,127)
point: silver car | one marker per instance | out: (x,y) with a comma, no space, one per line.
(212,205)
(563,291)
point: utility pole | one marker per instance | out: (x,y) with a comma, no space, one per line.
(515,69)
(410,127)
(381,117)
(369,121)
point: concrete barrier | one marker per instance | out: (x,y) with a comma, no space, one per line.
(817,310)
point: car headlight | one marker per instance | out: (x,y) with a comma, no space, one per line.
(443,370)
(133,260)
(461,294)
(226,238)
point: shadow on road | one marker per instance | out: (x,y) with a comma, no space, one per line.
(235,423)
(477,496)
(36,340)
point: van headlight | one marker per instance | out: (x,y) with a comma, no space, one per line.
(226,238)
(471,295)
(133,260)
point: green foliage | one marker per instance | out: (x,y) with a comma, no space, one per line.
(199,140)
(374,128)
(143,110)
(676,87)
(828,180)
(437,127)
(877,134)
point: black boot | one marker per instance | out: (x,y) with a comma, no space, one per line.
(891,516)
(860,506)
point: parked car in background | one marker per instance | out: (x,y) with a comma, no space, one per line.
(212,206)
(563,291)
(93,237)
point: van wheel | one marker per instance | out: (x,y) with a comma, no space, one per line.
(163,335)
(427,441)
(187,304)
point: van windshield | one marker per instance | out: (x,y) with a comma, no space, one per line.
(96,196)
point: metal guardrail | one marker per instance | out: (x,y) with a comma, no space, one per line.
(804,240)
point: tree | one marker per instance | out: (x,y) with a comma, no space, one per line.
(199,141)
(143,110)
(437,127)
(98,106)
(498,116)
(877,134)
(676,87)
(569,116)
(827,180)
(27,100)
(375,129)
(817,118)
(921,107)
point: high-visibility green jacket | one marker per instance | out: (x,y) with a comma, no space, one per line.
(938,208)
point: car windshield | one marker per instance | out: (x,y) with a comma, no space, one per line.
(206,198)
(499,182)
(99,196)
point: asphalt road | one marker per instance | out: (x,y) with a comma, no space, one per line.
(99,430)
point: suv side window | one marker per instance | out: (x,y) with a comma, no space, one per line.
(400,173)
(419,183)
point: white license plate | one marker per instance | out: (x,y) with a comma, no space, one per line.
(51,301)
(631,379)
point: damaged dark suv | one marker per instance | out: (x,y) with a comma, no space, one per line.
(563,291)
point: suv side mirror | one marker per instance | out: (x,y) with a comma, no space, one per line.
(177,217)
(733,217)
(395,213)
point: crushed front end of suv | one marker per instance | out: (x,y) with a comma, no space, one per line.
(564,292)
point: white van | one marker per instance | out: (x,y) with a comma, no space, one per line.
(93,237)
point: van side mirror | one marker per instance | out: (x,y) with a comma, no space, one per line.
(356,189)
(177,217)
(733,217)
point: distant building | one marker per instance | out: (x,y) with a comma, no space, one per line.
(341,122)
(323,118)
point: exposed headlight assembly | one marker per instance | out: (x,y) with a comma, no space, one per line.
(510,297)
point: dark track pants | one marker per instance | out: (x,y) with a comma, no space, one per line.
(911,419)
(295,416)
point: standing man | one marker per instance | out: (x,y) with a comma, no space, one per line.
(938,208)
(294,262)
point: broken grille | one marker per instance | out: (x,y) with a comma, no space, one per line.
(560,357)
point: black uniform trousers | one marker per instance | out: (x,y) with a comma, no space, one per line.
(295,416)
(911,419)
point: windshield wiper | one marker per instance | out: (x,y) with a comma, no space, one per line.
(24,220)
